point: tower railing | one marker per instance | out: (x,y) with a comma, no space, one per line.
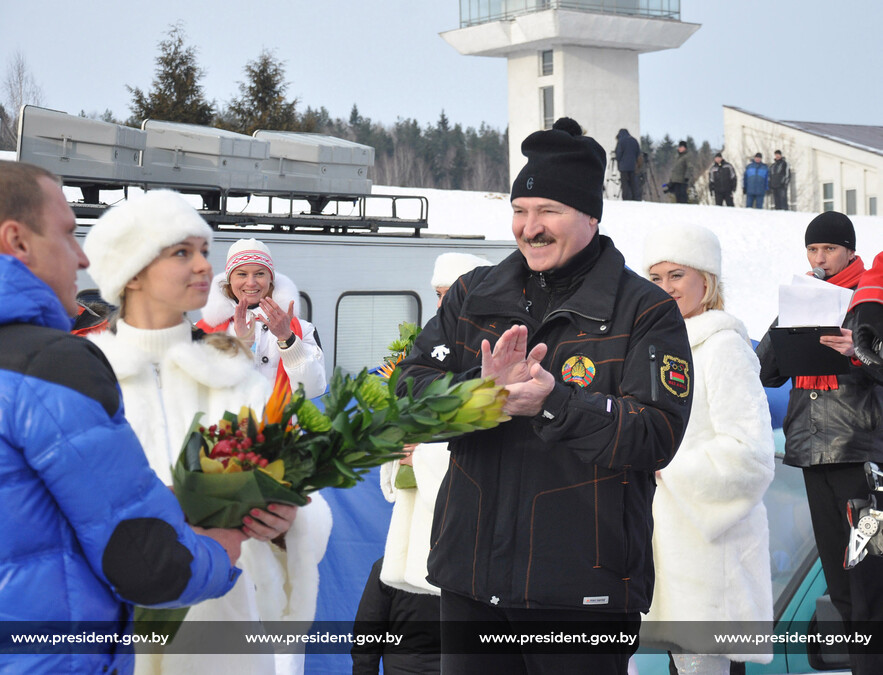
(474,12)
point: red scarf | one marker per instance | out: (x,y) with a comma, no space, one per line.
(848,277)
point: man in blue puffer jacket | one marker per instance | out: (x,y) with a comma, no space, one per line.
(756,182)
(89,530)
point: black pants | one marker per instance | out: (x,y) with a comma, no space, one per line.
(631,186)
(458,610)
(680,192)
(720,198)
(857,593)
(780,198)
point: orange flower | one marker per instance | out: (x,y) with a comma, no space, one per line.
(389,365)
(280,398)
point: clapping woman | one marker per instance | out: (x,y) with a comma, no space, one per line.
(256,303)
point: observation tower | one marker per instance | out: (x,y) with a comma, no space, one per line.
(573,58)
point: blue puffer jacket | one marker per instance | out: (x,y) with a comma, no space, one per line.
(756,180)
(88,528)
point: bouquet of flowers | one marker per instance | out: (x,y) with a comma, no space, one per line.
(242,461)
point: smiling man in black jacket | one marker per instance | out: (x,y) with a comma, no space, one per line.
(547,519)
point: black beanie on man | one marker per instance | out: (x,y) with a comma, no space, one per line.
(831,227)
(563,165)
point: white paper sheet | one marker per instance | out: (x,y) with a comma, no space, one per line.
(808,301)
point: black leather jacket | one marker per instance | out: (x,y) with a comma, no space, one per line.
(833,426)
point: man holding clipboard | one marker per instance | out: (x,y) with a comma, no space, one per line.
(834,424)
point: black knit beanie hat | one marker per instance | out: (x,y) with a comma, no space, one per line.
(831,227)
(563,165)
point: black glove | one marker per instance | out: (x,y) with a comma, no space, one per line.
(867,334)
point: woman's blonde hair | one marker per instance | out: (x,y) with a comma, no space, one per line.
(714,292)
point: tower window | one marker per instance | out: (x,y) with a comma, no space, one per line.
(546,62)
(548,96)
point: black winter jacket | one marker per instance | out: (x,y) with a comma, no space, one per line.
(555,511)
(722,178)
(780,174)
(627,151)
(834,426)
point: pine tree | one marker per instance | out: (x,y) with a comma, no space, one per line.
(177,95)
(262,103)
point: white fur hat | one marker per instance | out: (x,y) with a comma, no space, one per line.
(691,245)
(451,266)
(128,237)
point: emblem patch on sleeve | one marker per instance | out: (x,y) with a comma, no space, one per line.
(578,370)
(675,374)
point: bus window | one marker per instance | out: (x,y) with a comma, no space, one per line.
(365,324)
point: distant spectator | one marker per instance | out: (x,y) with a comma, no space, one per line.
(722,181)
(628,157)
(780,178)
(680,175)
(756,182)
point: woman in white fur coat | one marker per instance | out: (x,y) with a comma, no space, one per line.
(711,536)
(149,257)
(259,305)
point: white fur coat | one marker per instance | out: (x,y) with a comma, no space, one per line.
(711,536)
(164,375)
(304,361)
(407,543)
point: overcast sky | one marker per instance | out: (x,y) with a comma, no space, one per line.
(805,60)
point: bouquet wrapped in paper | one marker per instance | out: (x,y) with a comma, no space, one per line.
(242,461)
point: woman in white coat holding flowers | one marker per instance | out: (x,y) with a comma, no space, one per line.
(711,536)
(148,256)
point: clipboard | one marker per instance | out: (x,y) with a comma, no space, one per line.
(799,352)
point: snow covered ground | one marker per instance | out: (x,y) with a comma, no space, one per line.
(761,249)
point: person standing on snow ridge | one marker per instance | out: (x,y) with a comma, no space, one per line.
(780,179)
(755,182)
(680,174)
(722,181)
(628,154)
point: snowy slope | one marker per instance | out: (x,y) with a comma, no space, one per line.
(761,249)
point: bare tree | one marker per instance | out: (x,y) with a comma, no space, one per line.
(19,88)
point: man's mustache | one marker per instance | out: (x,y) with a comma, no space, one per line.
(538,239)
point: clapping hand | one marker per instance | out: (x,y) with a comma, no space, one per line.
(521,373)
(278,320)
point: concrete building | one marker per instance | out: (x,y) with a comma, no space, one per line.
(573,58)
(834,167)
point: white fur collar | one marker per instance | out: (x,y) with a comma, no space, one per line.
(200,361)
(219,307)
(703,326)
